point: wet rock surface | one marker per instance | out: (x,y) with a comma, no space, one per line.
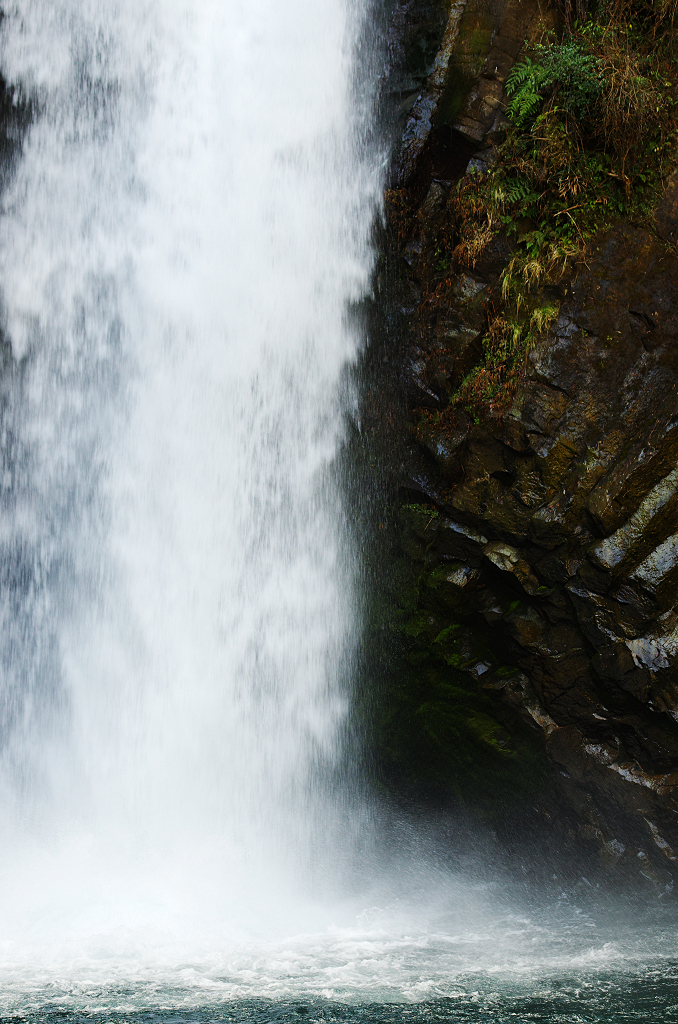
(543,541)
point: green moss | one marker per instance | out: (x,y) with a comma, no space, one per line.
(450,633)
(434,728)
(453,98)
(472,45)
(421,625)
(430,730)
(505,671)
(438,733)
(418,517)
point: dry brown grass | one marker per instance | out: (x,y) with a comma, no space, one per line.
(574,11)
(661,13)
(400,211)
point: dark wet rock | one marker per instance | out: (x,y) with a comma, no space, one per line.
(420,121)
(546,538)
(666,217)
(416,383)
(576,490)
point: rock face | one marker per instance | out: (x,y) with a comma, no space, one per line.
(464,92)
(544,540)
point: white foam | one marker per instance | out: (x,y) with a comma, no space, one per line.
(185,228)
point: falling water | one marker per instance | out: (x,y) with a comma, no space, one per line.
(182,236)
(184,231)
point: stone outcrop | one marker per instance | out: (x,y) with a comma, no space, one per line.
(547,534)
(463,97)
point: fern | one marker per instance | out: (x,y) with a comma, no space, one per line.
(524,84)
(564,67)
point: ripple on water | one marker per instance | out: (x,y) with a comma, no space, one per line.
(360,978)
(650,996)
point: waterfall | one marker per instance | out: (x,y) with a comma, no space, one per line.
(184,230)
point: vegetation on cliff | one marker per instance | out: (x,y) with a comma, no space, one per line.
(590,137)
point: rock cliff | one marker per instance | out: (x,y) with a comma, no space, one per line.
(528,627)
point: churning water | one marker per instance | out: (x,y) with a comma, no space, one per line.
(185,228)
(182,235)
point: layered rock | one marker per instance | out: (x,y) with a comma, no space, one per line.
(544,538)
